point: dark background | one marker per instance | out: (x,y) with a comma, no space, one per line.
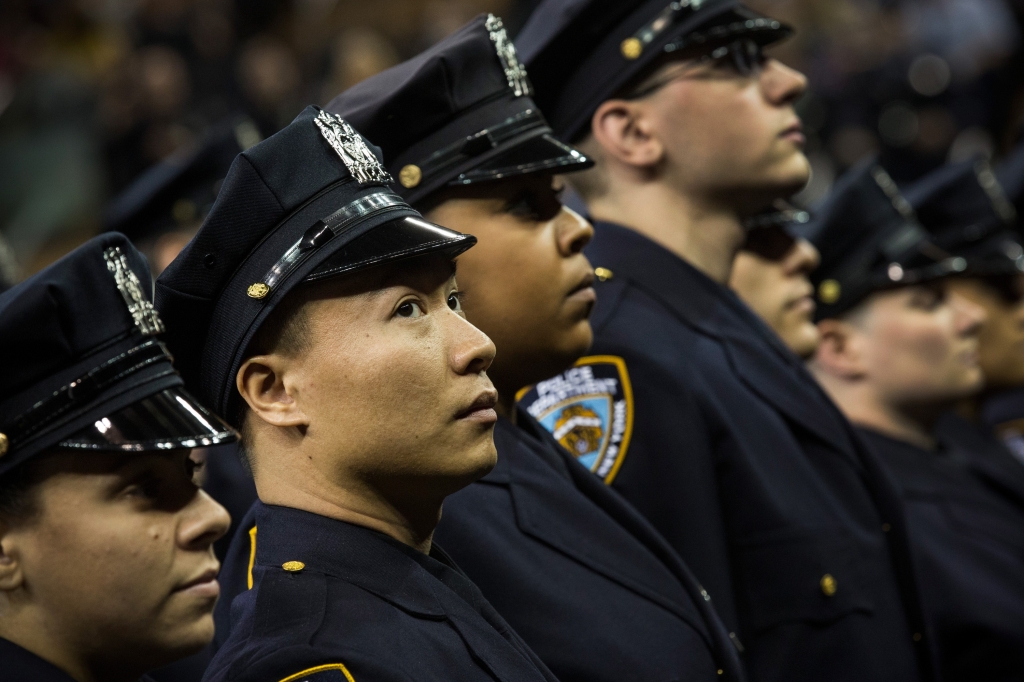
(94,92)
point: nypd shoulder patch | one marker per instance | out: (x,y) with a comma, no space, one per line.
(331,672)
(589,410)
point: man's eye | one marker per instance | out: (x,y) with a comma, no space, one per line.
(455,301)
(409,309)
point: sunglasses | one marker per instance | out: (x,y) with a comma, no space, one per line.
(744,57)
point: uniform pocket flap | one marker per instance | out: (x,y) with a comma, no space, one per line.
(809,576)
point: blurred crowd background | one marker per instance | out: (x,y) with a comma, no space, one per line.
(95,92)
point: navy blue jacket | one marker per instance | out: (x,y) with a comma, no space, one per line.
(750,472)
(968,539)
(332,601)
(586,581)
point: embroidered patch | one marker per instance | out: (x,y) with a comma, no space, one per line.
(332,672)
(589,410)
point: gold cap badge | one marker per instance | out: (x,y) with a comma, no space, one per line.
(631,48)
(4,443)
(293,566)
(258,290)
(829,291)
(410,175)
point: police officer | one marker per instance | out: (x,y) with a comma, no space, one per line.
(586,581)
(771,275)
(320,311)
(899,346)
(727,445)
(1001,407)
(106,544)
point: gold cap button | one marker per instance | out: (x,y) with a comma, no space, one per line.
(829,291)
(293,566)
(410,175)
(4,443)
(603,274)
(631,48)
(258,290)
(828,585)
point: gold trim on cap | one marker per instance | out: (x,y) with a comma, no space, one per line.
(410,175)
(293,566)
(631,48)
(829,291)
(4,444)
(258,290)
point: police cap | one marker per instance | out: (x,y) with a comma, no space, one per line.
(869,239)
(308,203)
(583,52)
(457,114)
(82,364)
(968,214)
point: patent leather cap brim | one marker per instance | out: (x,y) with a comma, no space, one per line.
(168,420)
(534,155)
(403,238)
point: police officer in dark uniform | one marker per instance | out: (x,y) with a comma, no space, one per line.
(899,346)
(106,544)
(585,579)
(1001,406)
(967,213)
(725,442)
(329,306)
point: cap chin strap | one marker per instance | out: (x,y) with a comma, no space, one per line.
(85,388)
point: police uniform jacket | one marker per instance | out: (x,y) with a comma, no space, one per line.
(968,540)
(332,602)
(20,664)
(586,581)
(755,478)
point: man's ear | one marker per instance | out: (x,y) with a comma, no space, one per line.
(839,352)
(11,574)
(263,381)
(624,132)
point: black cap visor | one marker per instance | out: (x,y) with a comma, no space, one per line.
(400,239)
(535,154)
(168,420)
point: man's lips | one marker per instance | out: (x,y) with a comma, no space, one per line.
(203,585)
(794,133)
(481,409)
(584,291)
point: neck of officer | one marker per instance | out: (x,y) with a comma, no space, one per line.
(406,509)
(704,231)
(27,624)
(863,406)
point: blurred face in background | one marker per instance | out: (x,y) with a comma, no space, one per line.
(1001,339)
(770,274)
(917,345)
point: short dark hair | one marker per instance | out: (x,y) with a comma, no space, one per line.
(286,330)
(19,501)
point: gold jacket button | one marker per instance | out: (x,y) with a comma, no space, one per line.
(828,585)
(4,443)
(603,274)
(293,566)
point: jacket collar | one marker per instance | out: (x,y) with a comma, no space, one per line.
(22,664)
(358,555)
(760,359)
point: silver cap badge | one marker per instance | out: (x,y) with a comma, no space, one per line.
(142,311)
(354,153)
(514,71)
